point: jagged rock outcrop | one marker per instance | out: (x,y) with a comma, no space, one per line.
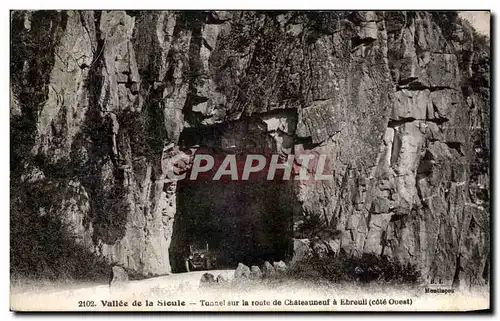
(118,276)
(268,269)
(242,272)
(207,280)
(279,266)
(398,101)
(255,272)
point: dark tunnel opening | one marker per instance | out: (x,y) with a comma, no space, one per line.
(241,221)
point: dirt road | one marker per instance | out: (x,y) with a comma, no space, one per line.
(182,292)
(51,297)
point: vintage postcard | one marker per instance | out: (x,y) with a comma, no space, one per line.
(249,160)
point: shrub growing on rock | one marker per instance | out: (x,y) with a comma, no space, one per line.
(348,268)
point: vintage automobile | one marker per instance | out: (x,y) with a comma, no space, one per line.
(200,258)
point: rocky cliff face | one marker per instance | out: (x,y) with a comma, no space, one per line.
(399,101)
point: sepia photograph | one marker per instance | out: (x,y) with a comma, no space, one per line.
(250,160)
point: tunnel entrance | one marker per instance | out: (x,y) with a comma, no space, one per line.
(240,221)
